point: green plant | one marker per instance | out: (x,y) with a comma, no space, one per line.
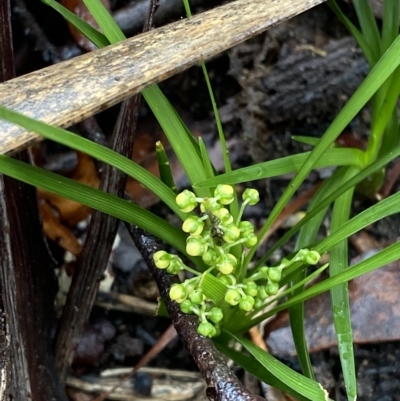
(220,245)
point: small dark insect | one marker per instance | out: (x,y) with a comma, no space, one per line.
(215,230)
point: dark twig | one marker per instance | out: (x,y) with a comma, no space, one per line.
(97,248)
(131,17)
(101,234)
(27,282)
(222,384)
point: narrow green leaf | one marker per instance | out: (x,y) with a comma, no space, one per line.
(105,20)
(340,293)
(254,367)
(369,27)
(177,136)
(300,387)
(383,69)
(306,236)
(91,33)
(383,161)
(207,165)
(364,45)
(384,208)
(164,167)
(307,140)
(97,151)
(286,165)
(390,22)
(213,289)
(382,258)
(95,199)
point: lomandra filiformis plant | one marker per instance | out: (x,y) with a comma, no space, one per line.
(213,233)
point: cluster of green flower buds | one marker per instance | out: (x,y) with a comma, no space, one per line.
(212,234)
(249,295)
(193,301)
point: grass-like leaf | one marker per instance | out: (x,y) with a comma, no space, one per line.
(340,293)
(95,199)
(276,373)
(380,259)
(97,151)
(91,33)
(369,27)
(328,199)
(164,167)
(105,20)
(285,165)
(362,42)
(177,135)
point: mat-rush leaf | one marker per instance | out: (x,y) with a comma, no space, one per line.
(340,293)
(365,47)
(177,136)
(164,167)
(95,199)
(297,385)
(87,30)
(285,165)
(375,79)
(213,289)
(306,236)
(328,199)
(105,20)
(380,259)
(97,151)
(252,366)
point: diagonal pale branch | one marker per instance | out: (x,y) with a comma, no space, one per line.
(68,92)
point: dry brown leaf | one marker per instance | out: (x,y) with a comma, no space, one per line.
(72,212)
(56,231)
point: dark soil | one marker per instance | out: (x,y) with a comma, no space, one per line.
(275,86)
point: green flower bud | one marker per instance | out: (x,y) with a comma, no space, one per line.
(178,293)
(225,194)
(193,225)
(250,288)
(262,293)
(226,263)
(186,306)
(246,227)
(162,259)
(190,287)
(186,201)
(232,297)
(209,257)
(247,303)
(312,257)
(251,240)
(197,296)
(258,303)
(272,288)
(206,329)
(175,265)
(275,274)
(224,215)
(216,315)
(228,279)
(263,271)
(251,195)
(231,233)
(195,246)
